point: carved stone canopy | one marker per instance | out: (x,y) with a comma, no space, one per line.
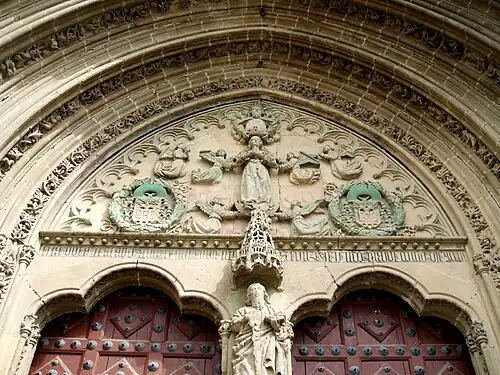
(258,260)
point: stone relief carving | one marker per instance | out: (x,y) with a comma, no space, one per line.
(303,168)
(86,211)
(366,208)
(150,205)
(217,211)
(262,336)
(488,262)
(41,196)
(267,128)
(214,174)
(343,163)
(172,162)
(257,259)
(299,225)
(407,95)
(30,334)
(11,257)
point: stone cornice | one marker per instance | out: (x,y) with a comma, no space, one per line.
(232,242)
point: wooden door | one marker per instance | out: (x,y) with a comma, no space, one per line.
(132,332)
(374,333)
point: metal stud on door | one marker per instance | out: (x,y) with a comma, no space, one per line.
(134,331)
(376,333)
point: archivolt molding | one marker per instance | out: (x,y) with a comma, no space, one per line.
(407,25)
(408,288)
(391,88)
(124,275)
(373,120)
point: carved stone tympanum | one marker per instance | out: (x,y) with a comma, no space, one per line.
(263,337)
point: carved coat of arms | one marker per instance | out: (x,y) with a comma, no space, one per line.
(151,205)
(364,208)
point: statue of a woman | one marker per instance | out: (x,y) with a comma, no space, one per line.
(263,341)
(256,189)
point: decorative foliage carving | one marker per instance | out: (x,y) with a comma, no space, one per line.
(476,337)
(263,336)
(150,205)
(257,259)
(41,196)
(11,256)
(366,208)
(389,85)
(488,262)
(30,333)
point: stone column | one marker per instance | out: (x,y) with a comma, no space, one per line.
(30,333)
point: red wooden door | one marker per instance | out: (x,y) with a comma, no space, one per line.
(374,333)
(132,332)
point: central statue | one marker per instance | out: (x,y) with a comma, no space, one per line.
(262,345)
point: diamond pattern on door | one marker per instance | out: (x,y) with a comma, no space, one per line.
(375,333)
(135,331)
(55,366)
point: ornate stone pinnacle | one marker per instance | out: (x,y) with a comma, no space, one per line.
(257,260)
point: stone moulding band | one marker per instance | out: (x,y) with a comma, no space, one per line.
(358,71)
(288,255)
(85,241)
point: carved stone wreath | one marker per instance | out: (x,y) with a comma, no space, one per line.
(364,208)
(151,205)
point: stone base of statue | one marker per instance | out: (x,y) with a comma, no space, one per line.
(258,260)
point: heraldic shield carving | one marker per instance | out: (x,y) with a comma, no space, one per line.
(151,205)
(365,208)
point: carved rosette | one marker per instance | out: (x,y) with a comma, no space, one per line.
(257,259)
(366,208)
(150,205)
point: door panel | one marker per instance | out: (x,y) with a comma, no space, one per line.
(132,332)
(371,332)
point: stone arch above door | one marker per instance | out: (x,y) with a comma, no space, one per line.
(131,331)
(375,332)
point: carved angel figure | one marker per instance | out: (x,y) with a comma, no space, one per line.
(343,164)
(214,174)
(298,175)
(299,225)
(172,162)
(262,345)
(216,210)
(256,125)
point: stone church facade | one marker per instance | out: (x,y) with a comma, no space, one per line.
(249,187)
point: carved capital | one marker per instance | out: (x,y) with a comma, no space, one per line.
(476,337)
(225,328)
(26,254)
(487,262)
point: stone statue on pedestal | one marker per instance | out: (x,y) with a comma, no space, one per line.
(263,341)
